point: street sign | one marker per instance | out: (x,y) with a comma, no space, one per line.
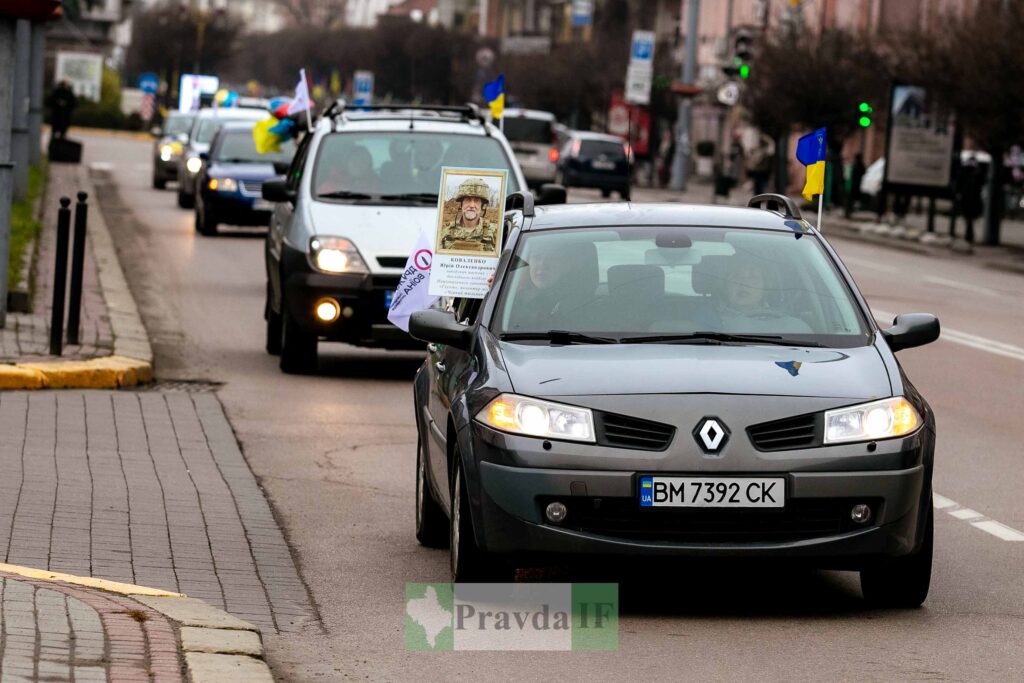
(83,71)
(582,12)
(638,83)
(643,47)
(362,88)
(729,93)
(149,83)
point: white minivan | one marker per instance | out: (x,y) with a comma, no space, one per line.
(361,188)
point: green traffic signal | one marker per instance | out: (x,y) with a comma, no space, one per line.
(744,71)
(865,122)
(865,108)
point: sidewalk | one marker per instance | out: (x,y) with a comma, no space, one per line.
(113,349)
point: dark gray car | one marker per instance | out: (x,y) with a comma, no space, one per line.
(672,380)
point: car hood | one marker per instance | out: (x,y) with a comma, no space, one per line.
(579,370)
(387,232)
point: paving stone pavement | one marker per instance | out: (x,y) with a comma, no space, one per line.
(144,487)
(26,336)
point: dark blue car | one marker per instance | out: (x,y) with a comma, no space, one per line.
(231,181)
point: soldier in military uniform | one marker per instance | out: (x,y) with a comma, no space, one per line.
(470,231)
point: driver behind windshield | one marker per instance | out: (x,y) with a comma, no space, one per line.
(748,304)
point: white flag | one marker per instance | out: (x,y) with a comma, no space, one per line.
(412,294)
(300,102)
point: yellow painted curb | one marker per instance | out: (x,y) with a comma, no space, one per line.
(109,372)
(87,582)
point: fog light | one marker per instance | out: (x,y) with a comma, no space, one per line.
(556,513)
(861,514)
(327,310)
(348,312)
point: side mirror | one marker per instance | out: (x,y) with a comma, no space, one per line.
(156,131)
(277,191)
(551,194)
(910,330)
(281,167)
(438,327)
(205,156)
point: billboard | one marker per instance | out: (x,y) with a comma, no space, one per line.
(193,87)
(920,143)
(83,70)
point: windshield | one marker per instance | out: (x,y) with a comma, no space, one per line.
(241,148)
(403,166)
(208,127)
(176,124)
(523,129)
(614,151)
(677,281)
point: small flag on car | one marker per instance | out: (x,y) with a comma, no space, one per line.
(494,95)
(810,151)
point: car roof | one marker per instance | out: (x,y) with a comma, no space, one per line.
(232,112)
(555,216)
(530,114)
(236,126)
(590,135)
(396,121)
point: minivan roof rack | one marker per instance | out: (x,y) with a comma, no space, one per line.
(467,112)
(776,202)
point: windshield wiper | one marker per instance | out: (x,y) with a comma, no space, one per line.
(411,196)
(559,337)
(344,194)
(705,337)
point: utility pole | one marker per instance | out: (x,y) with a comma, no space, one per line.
(35,94)
(19,121)
(681,162)
(7,37)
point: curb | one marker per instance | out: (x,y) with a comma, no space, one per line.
(131,363)
(215,646)
(111,133)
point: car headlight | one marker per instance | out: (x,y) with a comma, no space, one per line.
(336,255)
(223,184)
(542,419)
(170,150)
(193,164)
(883,419)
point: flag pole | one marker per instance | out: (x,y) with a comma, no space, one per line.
(819,213)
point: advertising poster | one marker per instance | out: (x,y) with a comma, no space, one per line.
(471,206)
(921,141)
(193,87)
(83,71)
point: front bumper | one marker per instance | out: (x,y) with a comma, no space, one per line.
(596,179)
(605,517)
(167,170)
(362,298)
(234,208)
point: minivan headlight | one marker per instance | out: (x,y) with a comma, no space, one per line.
(883,419)
(534,417)
(335,255)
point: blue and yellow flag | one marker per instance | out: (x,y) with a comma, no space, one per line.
(494,95)
(810,151)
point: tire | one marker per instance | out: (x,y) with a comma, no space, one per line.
(186,201)
(159,183)
(298,347)
(469,564)
(606,193)
(205,225)
(624,193)
(902,582)
(431,523)
(273,319)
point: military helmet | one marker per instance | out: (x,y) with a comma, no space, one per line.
(473,187)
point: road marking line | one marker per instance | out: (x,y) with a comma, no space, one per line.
(101,166)
(992,346)
(941,502)
(999,530)
(966,514)
(870,265)
(956,284)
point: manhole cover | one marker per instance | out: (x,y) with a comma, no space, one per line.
(191,386)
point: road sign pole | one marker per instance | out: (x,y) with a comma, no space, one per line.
(19,121)
(681,162)
(35,95)
(7,34)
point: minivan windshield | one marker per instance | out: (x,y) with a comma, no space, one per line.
(399,167)
(238,147)
(642,284)
(176,124)
(207,127)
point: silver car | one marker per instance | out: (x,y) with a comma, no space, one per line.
(205,126)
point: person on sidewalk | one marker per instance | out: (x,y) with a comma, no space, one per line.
(856,176)
(62,104)
(760,162)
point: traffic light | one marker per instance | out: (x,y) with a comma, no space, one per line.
(865,115)
(742,53)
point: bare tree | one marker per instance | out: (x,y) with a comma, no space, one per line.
(324,13)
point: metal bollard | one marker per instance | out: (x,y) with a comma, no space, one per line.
(60,277)
(77,264)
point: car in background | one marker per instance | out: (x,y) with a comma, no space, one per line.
(534,138)
(595,160)
(679,381)
(230,184)
(169,145)
(362,187)
(204,127)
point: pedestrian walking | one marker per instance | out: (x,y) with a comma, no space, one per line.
(760,162)
(857,169)
(969,183)
(62,104)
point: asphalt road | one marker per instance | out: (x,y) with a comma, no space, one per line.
(335,455)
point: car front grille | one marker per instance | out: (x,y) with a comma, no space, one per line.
(800,519)
(803,431)
(252,187)
(621,431)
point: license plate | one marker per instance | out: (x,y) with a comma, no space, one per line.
(713,492)
(388,298)
(262,205)
(603,165)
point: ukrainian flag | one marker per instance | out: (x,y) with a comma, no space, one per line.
(810,151)
(494,95)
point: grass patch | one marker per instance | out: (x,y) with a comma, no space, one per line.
(24,226)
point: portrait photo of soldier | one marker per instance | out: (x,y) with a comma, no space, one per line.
(471,213)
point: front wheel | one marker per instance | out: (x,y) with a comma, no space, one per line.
(431,524)
(159,182)
(469,563)
(903,581)
(273,343)
(298,347)
(624,193)
(205,224)
(185,201)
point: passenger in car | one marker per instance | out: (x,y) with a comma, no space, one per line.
(746,308)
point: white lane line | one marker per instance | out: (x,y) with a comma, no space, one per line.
(992,346)
(999,530)
(101,166)
(976,519)
(870,265)
(956,284)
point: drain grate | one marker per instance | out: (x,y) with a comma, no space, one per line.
(189,386)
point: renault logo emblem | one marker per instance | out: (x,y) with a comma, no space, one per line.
(711,435)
